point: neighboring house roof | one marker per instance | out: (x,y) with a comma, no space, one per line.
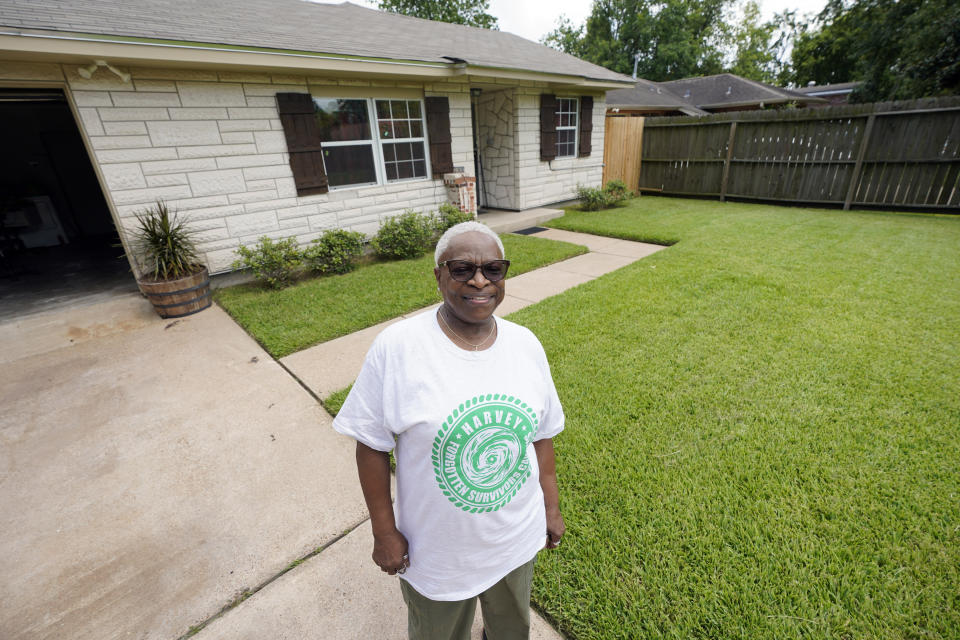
(728,90)
(646,95)
(697,96)
(298,25)
(838,88)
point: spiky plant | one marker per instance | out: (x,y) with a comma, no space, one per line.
(163,244)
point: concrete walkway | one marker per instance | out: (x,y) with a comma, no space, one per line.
(323,598)
(154,471)
(333,365)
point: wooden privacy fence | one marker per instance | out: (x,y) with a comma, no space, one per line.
(885,154)
(622,140)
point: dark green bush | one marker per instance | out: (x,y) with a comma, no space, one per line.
(274,263)
(336,251)
(405,236)
(592,198)
(595,198)
(449,215)
(617,192)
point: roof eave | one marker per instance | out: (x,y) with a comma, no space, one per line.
(59,45)
(838,92)
(539,76)
(747,103)
(675,107)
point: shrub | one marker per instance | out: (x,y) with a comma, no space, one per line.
(336,251)
(449,215)
(405,236)
(595,198)
(592,198)
(617,192)
(163,244)
(273,263)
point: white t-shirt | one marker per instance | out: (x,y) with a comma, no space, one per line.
(468,485)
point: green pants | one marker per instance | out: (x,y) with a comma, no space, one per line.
(505,608)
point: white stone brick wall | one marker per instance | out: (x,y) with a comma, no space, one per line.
(540,183)
(211,145)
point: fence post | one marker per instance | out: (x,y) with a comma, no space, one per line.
(726,163)
(856,168)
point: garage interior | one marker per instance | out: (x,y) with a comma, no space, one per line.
(58,242)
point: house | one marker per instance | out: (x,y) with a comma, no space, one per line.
(833,94)
(700,96)
(281,118)
(648,98)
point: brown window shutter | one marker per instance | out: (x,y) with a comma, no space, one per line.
(586,126)
(548,126)
(438,130)
(303,142)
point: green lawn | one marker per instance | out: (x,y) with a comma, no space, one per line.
(335,400)
(320,309)
(763,427)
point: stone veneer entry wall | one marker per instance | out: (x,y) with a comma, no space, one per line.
(210,144)
(509,140)
(496,120)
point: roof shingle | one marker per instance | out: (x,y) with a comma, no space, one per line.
(702,93)
(298,25)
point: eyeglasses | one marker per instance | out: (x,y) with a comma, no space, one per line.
(464,270)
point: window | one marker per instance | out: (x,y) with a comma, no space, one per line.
(347,143)
(566,127)
(402,122)
(356,153)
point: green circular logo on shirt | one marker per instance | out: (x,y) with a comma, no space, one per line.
(480,453)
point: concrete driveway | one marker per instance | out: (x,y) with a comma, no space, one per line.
(152,471)
(155,473)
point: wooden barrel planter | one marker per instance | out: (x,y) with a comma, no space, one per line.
(177,298)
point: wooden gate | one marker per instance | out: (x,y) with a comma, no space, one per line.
(622,143)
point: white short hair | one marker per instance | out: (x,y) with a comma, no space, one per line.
(460,229)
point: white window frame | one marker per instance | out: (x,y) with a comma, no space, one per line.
(376,142)
(575,127)
(422,139)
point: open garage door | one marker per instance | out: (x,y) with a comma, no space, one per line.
(58,242)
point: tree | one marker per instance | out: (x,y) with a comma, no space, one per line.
(826,52)
(898,49)
(673,38)
(469,12)
(565,37)
(788,29)
(753,49)
(930,54)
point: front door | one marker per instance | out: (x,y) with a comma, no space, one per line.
(477,156)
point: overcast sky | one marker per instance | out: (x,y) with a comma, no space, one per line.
(533,19)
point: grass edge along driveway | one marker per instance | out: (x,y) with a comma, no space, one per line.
(315,310)
(762,427)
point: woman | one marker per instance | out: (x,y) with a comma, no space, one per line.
(466,402)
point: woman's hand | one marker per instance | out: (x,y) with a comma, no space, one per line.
(389,546)
(551,493)
(555,528)
(390,552)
